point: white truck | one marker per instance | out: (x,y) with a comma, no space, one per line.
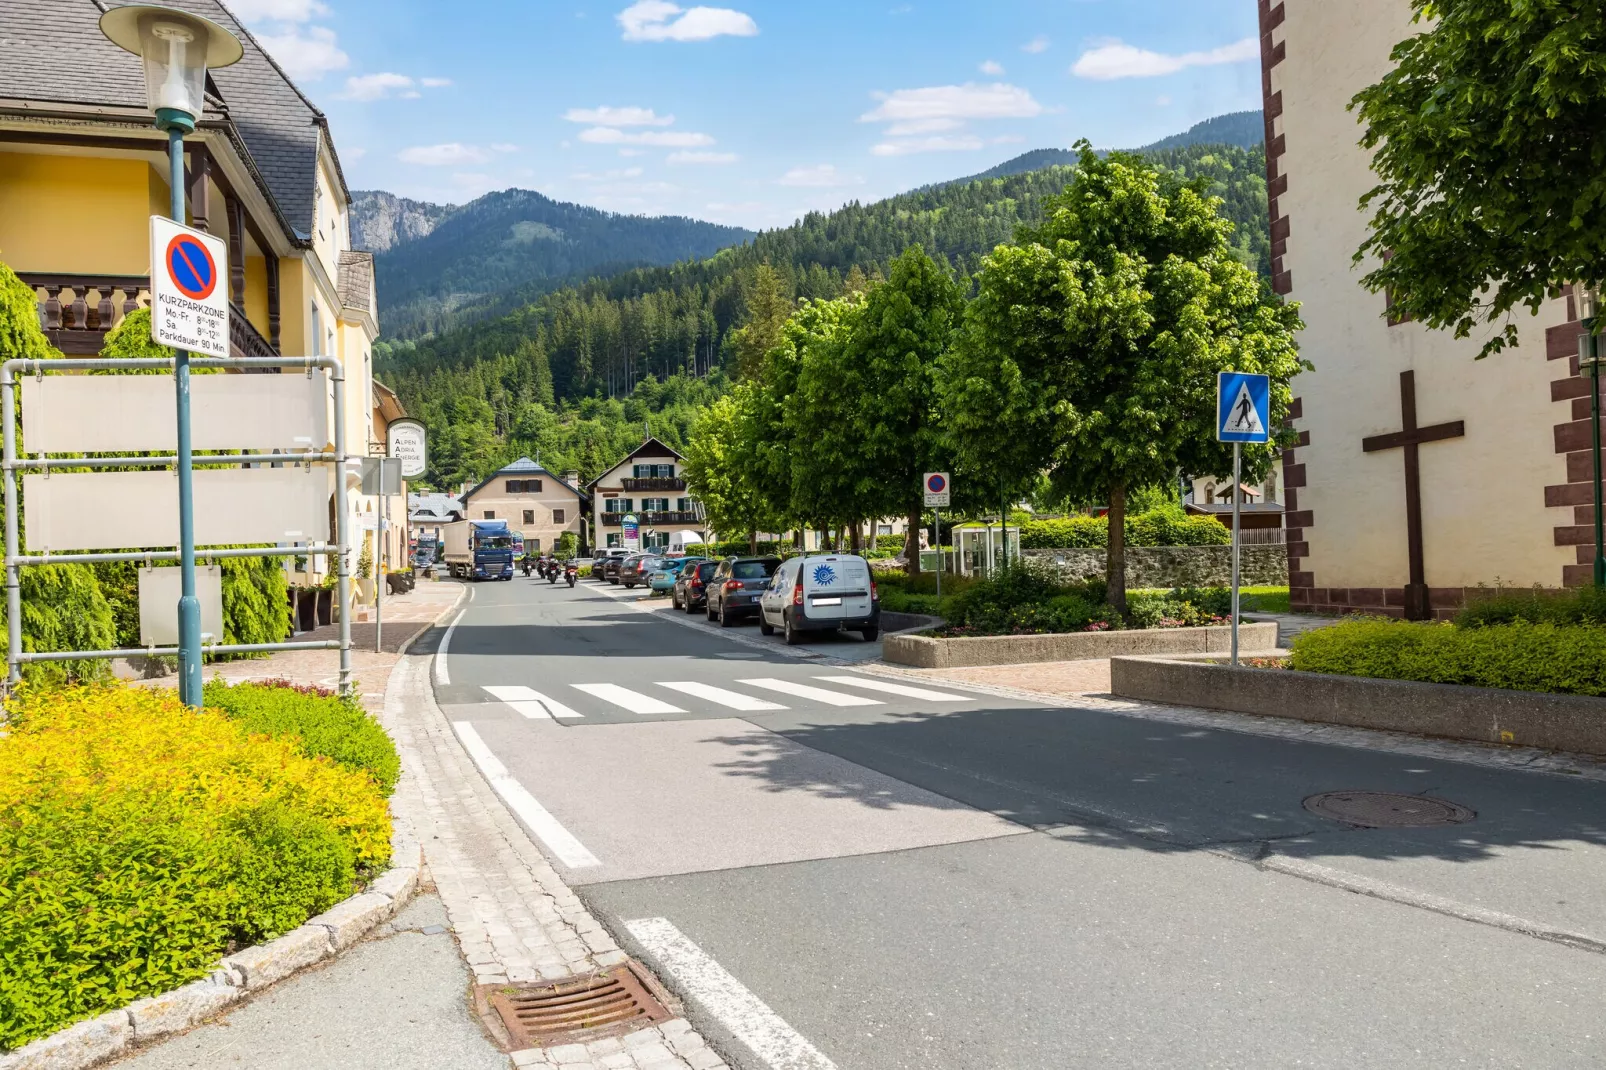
(479,549)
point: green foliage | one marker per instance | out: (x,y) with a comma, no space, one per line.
(325,724)
(20,336)
(256,602)
(722,465)
(1159,527)
(131,340)
(1264,599)
(1580,605)
(63,609)
(568,546)
(1491,166)
(365,557)
(1522,656)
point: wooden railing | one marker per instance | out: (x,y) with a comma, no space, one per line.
(654,483)
(76,312)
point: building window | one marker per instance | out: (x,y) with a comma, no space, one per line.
(558,516)
(533,544)
(490,514)
(683,504)
(529,516)
(655,505)
(524,486)
(617,505)
(615,540)
(317,331)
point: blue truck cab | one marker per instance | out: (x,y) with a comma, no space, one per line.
(479,550)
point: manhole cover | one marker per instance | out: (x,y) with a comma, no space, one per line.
(1386,810)
(566,1012)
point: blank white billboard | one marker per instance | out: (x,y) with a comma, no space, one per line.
(136,413)
(139,510)
(159,590)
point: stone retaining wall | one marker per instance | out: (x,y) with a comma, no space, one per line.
(1485,714)
(927,653)
(1172,566)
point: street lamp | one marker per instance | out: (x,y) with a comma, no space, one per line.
(1589,357)
(177,48)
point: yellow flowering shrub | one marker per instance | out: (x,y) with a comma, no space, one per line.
(141,841)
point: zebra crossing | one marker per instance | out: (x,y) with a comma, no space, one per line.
(695,697)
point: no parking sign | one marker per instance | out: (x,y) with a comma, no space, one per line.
(189,299)
(938,490)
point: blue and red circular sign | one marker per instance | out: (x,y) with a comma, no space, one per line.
(191,267)
(936,484)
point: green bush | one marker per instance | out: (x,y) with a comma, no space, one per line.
(1521,656)
(326,725)
(1158,527)
(63,609)
(1582,605)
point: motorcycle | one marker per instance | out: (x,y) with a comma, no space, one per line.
(525,565)
(552,572)
(571,573)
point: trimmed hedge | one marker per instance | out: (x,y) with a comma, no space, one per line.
(327,725)
(1520,656)
(1158,527)
(141,841)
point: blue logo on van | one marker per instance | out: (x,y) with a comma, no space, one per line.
(824,575)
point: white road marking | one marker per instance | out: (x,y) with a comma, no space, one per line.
(748,1018)
(894,689)
(634,701)
(818,694)
(532,703)
(734,699)
(559,840)
(443,675)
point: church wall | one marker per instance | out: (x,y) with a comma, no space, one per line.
(1485,517)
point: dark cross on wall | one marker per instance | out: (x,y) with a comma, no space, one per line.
(1416,591)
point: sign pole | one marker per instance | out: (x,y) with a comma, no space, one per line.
(1237,536)
(189,606)
(939,553)
(379,566)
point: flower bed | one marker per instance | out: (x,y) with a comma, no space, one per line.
(140,841)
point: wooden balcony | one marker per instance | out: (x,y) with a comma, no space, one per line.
(655,519)
(654,483)
(77,311)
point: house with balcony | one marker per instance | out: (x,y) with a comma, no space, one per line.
(83,168)
(536,503)
(648,483)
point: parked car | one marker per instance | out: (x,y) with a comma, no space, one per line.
(636,568)
(668,571)
(823,593)
(734,589)
(691,586)
(606,565)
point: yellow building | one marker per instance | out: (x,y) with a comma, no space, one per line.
(82,170)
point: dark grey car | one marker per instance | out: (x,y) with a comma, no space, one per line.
(691,586)
(735,587)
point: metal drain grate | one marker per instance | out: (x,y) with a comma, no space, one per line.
(1386,810)
(569,1011)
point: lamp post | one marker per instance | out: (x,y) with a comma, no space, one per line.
(1589,357)
(176,49)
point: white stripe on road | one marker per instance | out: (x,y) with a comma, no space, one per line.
(818,694)
(532,704)
(893,689)
(734,699)
(443,675)
(634,701)
(748,1018)
(559,840)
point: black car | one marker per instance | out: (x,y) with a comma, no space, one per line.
(691,586)
(608,567)
(734,589)
(636,568)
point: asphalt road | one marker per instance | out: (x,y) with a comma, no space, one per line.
(951,880)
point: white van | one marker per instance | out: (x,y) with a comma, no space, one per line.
(826,592)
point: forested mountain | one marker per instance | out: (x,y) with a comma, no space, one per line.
(536,378)
(509,247)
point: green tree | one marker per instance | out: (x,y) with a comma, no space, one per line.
(721,466)
(768,307)
(1491,160)
(831,482)
(1092,347)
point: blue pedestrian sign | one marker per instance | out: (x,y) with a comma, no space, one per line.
(1243,407)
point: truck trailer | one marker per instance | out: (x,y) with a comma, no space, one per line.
(479,549)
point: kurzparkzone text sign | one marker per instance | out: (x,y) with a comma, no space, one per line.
(189,289)
(939,489)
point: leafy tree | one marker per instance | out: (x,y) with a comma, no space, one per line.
(1491,159)
(832,483)
(767,310)
(721,466)
(1092,347)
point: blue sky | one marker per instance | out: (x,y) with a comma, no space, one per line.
(749,114)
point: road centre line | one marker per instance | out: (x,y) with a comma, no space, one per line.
(634,701)
(749,1019)
(818,694)
(559,840)
(733,699)
(895,689)
(532,703)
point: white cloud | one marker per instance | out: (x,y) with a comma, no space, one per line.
(606,116)
(309,55)
(434,83)
(607,176)
(655,20)
(379,87)
(923,126)
(992,68)
(820,176)
(504,146)
(964,143)
(450,154)
(968,101)
(702,157)
(1115,59)
(277,10)
(662,139)
(1035,45)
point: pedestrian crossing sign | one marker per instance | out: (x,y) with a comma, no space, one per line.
(1243,407)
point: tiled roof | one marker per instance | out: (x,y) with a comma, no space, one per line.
(356,282)
(54,51)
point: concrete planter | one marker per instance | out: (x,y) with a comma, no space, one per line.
(1488,715)
(927,653)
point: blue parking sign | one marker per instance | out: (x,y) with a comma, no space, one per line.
(1243,407)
